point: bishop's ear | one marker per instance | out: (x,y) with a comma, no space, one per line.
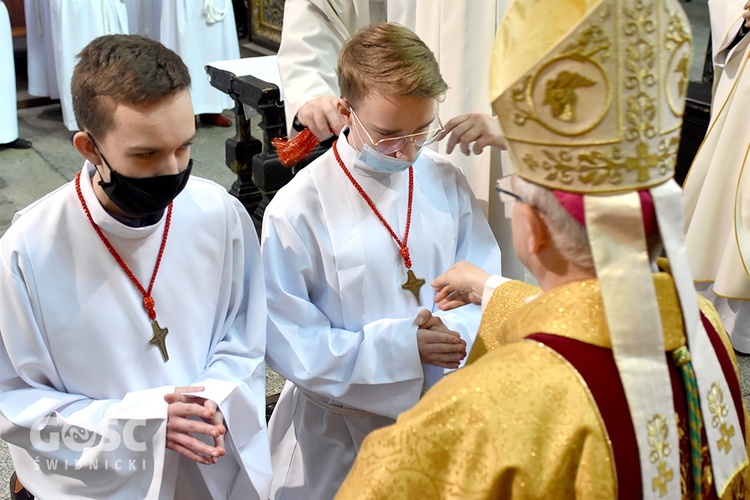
(537,236)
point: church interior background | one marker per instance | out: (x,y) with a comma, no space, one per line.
(26,175)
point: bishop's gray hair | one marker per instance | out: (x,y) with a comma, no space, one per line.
(567,234)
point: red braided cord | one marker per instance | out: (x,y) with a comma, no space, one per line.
(148,301)
(403,246)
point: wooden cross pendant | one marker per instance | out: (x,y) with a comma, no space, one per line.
(159,339)
(413,284)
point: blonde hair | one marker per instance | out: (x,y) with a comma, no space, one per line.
(388,59)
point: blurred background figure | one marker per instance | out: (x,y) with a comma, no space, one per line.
(72,25)
(240,18)
(8,112)
(717,202)
(144,17)
(200,33)
(40,56)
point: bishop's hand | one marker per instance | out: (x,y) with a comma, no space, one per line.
(206,419)
(461,284)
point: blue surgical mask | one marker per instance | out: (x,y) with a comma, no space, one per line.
(382,162)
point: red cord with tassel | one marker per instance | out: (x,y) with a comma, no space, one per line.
(292,151)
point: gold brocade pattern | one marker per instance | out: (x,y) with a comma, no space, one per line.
(685,472)
(657,440)
(737,489)
(707,480)
(719,410)
(575,310)
(517,423)
(504,301)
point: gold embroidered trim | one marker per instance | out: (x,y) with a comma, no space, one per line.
(678,47)
(585,320)
(596,168)
(719,410)
(660,449)
(612,97)
(559,93)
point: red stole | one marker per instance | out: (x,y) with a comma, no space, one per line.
(597,367)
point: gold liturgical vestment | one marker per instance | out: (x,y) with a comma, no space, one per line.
(521,421)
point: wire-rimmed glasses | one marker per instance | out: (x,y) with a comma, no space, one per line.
(391,145)
(504,186)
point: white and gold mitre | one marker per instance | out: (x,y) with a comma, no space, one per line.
(592,99)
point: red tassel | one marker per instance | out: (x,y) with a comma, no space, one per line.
(292,151)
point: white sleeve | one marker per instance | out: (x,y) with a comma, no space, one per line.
(376,368)
(477,245)
(313,33)
(726,21)
(235,373)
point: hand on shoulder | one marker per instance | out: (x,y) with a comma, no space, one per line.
(321,116)
(473,132)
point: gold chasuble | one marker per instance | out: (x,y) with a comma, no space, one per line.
(521,421)
(505,300)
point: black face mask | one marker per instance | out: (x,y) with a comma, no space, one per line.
(141,197)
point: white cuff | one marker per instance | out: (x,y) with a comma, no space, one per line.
(492,282)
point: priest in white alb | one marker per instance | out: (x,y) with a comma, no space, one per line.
(201,32)
(717,188)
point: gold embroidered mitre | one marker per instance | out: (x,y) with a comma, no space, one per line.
(592,102)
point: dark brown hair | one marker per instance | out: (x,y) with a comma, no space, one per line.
(127,69)
(388,59)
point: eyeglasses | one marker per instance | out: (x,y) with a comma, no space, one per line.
(392,144)
(504,186)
